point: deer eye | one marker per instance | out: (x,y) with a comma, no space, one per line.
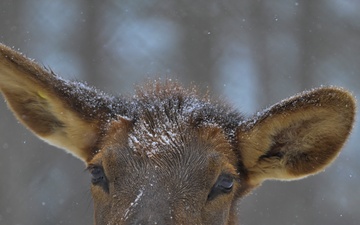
(98,177)
(223,185)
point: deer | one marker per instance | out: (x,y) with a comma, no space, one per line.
(168,154)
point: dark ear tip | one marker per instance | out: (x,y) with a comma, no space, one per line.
(333,93)
(338,98)
(337,91)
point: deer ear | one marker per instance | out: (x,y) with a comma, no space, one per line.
(65,114)
(298,136)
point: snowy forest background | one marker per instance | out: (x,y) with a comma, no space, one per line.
(251,52)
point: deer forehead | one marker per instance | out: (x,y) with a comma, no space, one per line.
(176,145)
(170,123)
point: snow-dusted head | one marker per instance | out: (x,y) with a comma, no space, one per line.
(169,155)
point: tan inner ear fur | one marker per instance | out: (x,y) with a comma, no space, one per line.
(37,106)
(293,142)
(52,121)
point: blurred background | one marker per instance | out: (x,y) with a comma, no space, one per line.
(252,53)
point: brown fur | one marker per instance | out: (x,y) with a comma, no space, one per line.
(169,155)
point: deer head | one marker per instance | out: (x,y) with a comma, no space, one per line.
(169,155)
